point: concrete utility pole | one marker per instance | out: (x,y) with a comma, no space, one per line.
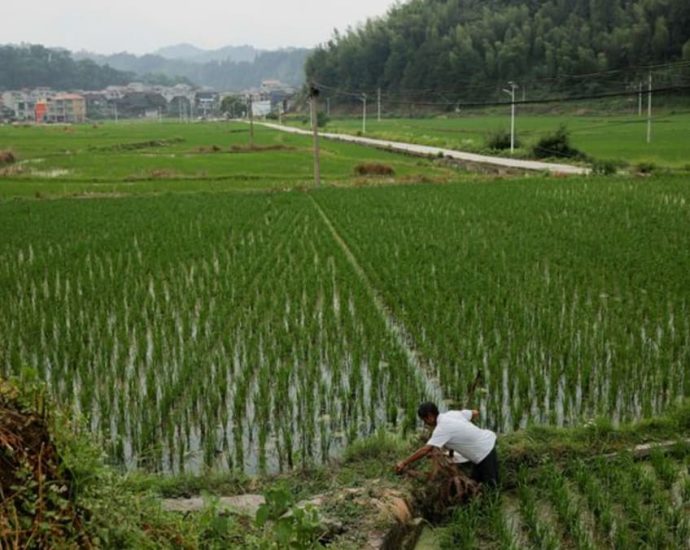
(649,110)
(378,102)
(511,93)
(639,106)
(313,95)
(364,113)
(250,114)
(115,107)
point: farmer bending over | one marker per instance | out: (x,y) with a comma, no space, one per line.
(454,431)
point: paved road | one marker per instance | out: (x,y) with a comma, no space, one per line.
(435,151)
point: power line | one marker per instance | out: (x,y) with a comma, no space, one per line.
(543,101)
(471,85)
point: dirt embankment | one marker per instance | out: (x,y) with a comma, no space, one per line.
(36,508)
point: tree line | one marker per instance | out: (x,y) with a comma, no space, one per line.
(472,48)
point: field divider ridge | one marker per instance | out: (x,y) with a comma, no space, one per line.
(394,326)
(433,152)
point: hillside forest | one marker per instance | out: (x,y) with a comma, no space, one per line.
(473,47)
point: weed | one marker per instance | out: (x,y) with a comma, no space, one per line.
(603,168)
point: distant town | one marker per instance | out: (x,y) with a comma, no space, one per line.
(142,101)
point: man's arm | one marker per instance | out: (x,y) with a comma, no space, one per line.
(400,467)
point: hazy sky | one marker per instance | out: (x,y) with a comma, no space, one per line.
(141,26)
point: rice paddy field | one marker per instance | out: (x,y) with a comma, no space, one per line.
(615,502)
(147,158)
(206,310)
(619,138)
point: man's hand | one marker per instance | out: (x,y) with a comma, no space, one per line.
(400,467)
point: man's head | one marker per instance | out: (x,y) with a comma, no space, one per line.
(428,412)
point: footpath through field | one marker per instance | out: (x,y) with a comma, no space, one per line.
(427,150)
(428,379)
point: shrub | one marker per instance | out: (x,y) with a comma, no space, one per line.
(499,140)
(322,119)
(556,144)
(645,167)
(374,169)
(603,168)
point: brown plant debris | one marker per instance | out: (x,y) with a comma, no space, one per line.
(374,169)
(7,157)
(36,507)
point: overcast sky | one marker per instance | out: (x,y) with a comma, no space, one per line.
(141,26)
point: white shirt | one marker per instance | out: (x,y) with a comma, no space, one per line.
(455,431)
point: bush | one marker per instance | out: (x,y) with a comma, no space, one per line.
(322,119)
(499,140)
(645,167)
(556,144)
(603,168)
(374,169)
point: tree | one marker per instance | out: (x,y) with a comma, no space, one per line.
(234,106)
(467,46)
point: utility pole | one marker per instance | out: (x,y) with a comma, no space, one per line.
(364,114)
(313,95)
(250,113)
(328,106)
(115,107)
(378,102)
(511,93)
(639,106)
(649,110)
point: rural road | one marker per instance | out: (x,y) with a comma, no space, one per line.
(426,150)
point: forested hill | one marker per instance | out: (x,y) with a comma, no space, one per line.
(236,72)
(467,46)
(30,66)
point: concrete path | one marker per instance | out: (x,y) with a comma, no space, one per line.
(428,151)
(242,504)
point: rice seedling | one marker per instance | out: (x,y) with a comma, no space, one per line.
(540,532)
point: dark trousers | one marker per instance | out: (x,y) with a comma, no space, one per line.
(486,472)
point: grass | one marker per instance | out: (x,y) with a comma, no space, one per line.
(134,158)
(620,138)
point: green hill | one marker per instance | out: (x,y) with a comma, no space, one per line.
(472,48)
(29,66)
